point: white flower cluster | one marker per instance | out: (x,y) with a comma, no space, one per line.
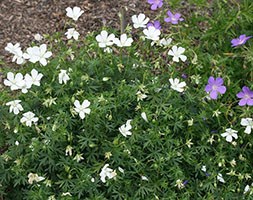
(23,83)
(33,54)
(105,39)
(73,13)
(230,133)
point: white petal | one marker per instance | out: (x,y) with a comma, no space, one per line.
(183,58)
(229,138)
(43,61)
(171,53)
(82,114)
(175,59)
(248,130)
(181,50)
(85,104)
(77,104)
(48,54)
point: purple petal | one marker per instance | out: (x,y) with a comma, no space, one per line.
(149,24)
(154,7)
(242,37)
(151,1)
(208,88)
(157,25)
(219,81)
(160,4)
(213,94)
(177,15)
(247,38)
(250,102)
(222,89)
(240,95)
(245,89)
(242,102)
(174,21)
(167,19)
(235,42)
(169,14)
(251,94)
(211,80)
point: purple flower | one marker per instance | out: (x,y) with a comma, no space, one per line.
(185,182)
(240,41)
(246,96)
(184,76)
(155,4)
(215,86)
(173,18)
(156,24)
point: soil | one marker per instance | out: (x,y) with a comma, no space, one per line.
(20,20)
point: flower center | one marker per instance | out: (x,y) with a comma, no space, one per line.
(214,87)
(246,96)
(173,18)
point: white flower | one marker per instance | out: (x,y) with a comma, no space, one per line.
(18,57)
(216,113)
(177,52)
(63,76)
(123,41)
(38,54)
(229,134)
(179,184)
(12,48)
(144,116)
(165,42)
(24,88)
(34,78)
(66,194)
(175,85)
(34,178)
(152,33)
(28,118)
(121,170)
(203,168)
(246,189)
(144,178)
(78,157)
(15,106)
(82,109)
(248,122)
(72,33)
(38,37)
(104,39)
(68,150)
(52,197)
(107,50)
(15,82)
(74,13)
(107,172)
(125,128)
(140,21)
(141,96)
(220,178)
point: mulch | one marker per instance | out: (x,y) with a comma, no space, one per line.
(20,20)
